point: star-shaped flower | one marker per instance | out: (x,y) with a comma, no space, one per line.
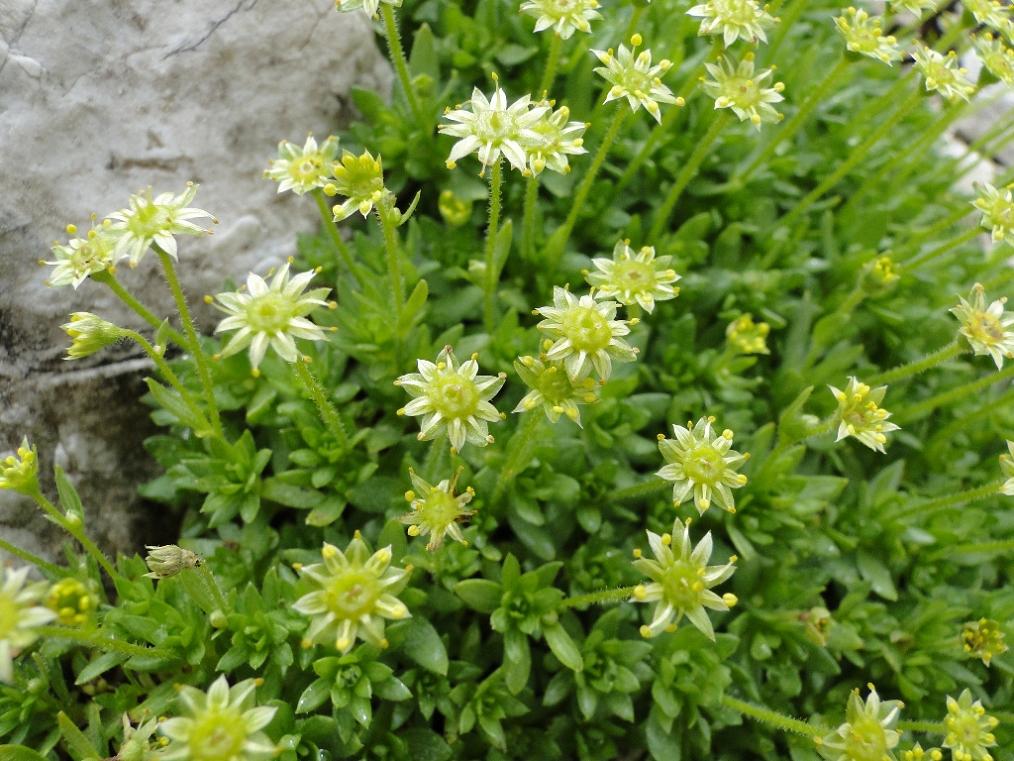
(635,78)
(303,169)
(702,463)
(634,277)
(988,329)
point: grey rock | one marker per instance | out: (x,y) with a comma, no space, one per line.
(99,100)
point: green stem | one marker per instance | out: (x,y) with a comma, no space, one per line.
(326,410)
(327,218)
(520,450)
(943,248)
(558,243)
(687,173)
(793,125)
(399,61)
(792,13)
(635,20)
(945,435)
(972,548)
(857,155)
(491,276)
(775,719)
(169,375)
(193,340)
(951,500)
(109,279)
(890,169)
(669,119)
(914,411)
(99,642)
(901,372)
(886,100)
(784,442)
(28,557)
(603,596)
(552,62)
(844,309)
(393,258)
(637,491)
(73,527)
(528,220)
(912,243)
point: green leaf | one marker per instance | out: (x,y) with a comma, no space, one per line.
(517,660)
(479,594)
(313,696)
(78,746)
(563,646)
(424,58)
(426,745)
(19,753)
(424,646)
(291,496)
(875,572)
(69,498)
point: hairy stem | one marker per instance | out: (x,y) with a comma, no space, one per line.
(328,414)
(603,596)
(943,248)
(777,720)
(73,527)
(552,63)
(28,557)
(399,60)
(951,500)
(193,339)
(638,491)
(109,279)
(687,173)
(327,219)
(901,372)
(96,640)
(915,411)
(490,276)
(528,220)
(520,450)
(558,243)
(167,373)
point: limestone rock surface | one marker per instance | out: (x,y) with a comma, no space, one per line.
(98,100)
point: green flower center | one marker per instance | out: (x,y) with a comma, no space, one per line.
(704,465)
(587,329)
(454,397)
(306,168)
(218,736)
(91,256)
(682,585)
(558,9)
(555,386)
(439,509)
(966,728)
(742,91)
(636,82)
(494,127)
(866,741)
(634,276)
(146,221)
(269,313)
(352,594)
(985,328)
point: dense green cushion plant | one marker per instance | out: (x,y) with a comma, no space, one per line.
(641,396)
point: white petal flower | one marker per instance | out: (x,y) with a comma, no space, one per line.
(860,415)
(452,398)
(369,6)
(553,389)
(222,724)
(997,207)
(558,138)
(863,34)
(156,221)
(271,315)
(869,729)
(1007,468)
(635,78)
(19,616)
(942,73)
(996,57)
(436,510)
(586,334)
(739,87)
(634,278)
(681,581)
(988,329)
(701,463)
(303,169)
(81,257)
(355,593)
(564,17)
(734,20)
(491,128)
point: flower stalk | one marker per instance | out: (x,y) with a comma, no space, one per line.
(951,350)
(601,597)
(200,359)
(96,640)
(490,274)
(327,219)
(73,527)
(773,718)
(915,411)
(520,450)
(109,279)
(951,500)
(687,173)
(552,63)
(328,414)
(32,559)
(400,62)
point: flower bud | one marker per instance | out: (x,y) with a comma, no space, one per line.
(168,560)
(20,472)
(89,334)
